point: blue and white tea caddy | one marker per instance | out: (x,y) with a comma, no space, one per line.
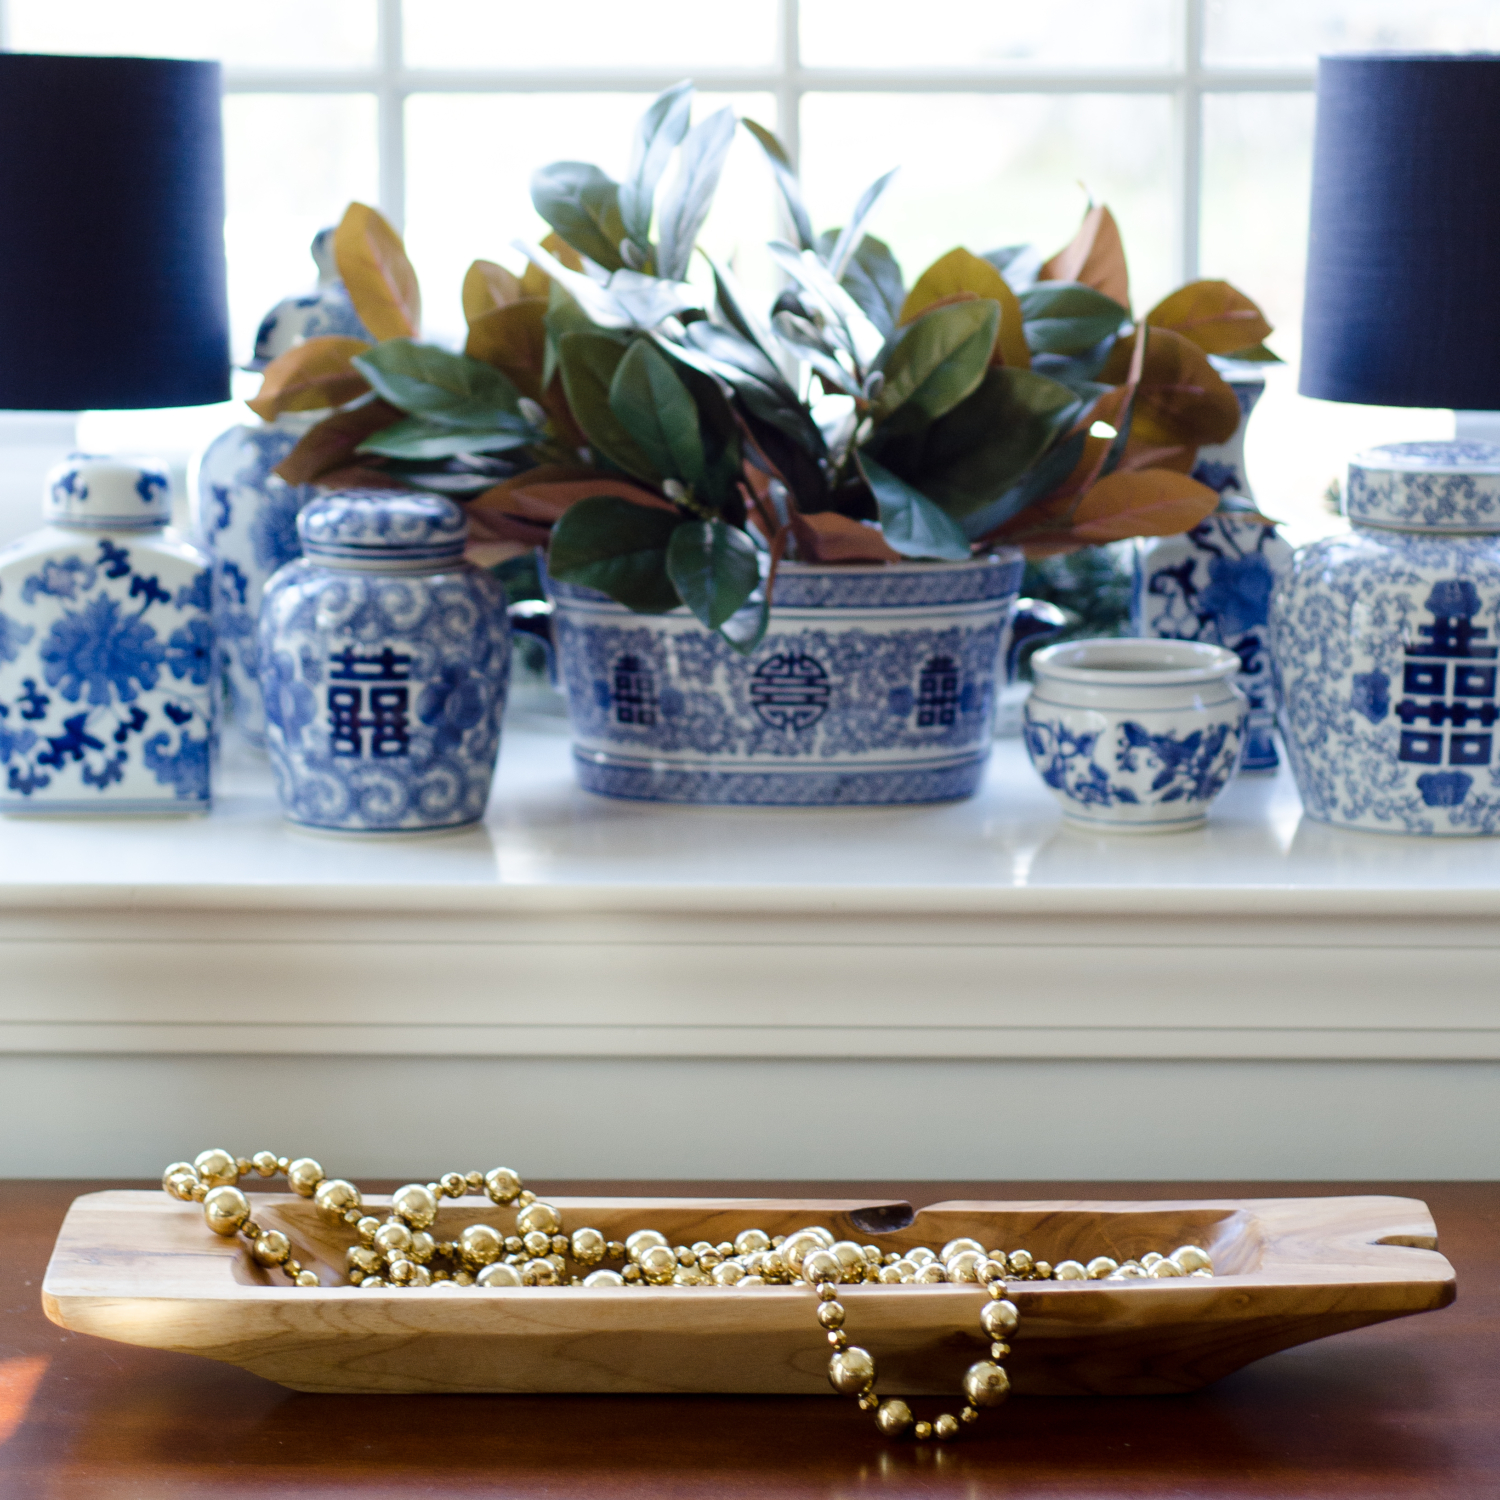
(243,513)
(107,659)
(1386,642)
(1214,583)
(385,659)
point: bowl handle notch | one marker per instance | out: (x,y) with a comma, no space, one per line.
(533,617)
(1032,621)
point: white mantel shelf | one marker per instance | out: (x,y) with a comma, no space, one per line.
(574,926)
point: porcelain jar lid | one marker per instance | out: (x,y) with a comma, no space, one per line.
(115,494)
(1433,486)
(382,526)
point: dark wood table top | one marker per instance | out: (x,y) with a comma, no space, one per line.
(1409,1408)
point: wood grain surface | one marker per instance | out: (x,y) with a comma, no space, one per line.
(1405,1408)
(142,1268)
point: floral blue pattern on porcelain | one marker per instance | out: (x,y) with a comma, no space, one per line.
(1385,644)
(1431,486)
(872,685)
(245,516)
(385,659)
(325,311)
(107,653)
(1132,735)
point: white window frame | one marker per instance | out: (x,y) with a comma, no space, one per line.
(1186,82)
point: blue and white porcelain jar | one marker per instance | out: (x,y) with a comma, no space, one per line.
(1214,583)
(107,660)
(872,685)
(1135,736)
(384,661)
(326,310)
(1386,643)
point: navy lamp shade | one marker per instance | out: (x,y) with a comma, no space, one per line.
(1403,263)
(112,284)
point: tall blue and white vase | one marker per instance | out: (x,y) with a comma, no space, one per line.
(385,659)
(106,651)
(1387,646)
(1214,583)
(244,514)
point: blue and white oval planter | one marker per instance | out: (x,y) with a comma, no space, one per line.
(872,685)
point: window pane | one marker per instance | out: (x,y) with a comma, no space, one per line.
(1294,32)
(269,34)
(469,163)
(991,170)
(980,33)
(656,34)
(1257,167)
(293,161)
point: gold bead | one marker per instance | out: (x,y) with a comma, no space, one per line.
(475,1181)
(1101,1266)
(184,1186)
(893,1418)
(366,1228)
(986,1384)
(225,1209)
(820,1266)
(1020,1262)
(464,1278)
(838,1338)
(827,1292)
(923,1431)
(1192,1258)
(587,1246)
(642,1240)
(334,1198)
(849,1255)
(999,1319)
(969,1414)
(868,1401)
(753,1280)
(502,1184)
(393,1241)
(423,1247)
(402,1271)
(540,1273)
(303,1176)
(957,1247)
(751,1241)
(727,1273)
(500,1274)
(796,1247)
(455,1184)
(890,1274)
(415,1205)
(999,1349)
(307,1278)
(560,1244)
(631,1275)
(536,1243)
(1042,1270)
(946,1427)
(604,1278)
(422,1278)
(1151,1257)
(1206,1274)
(964,1265)
(1071,1270)
(614,1250)
(931,1272)
(271,1248)
(479,1245)
(1165,1268)
(831,1315)
(657,1263)
(993,1270)
(851,1370)
(904,1269)
(361,1258)
(514,1245)
(265,1163)
(539,1217)
(292,1267)
(371,1282)
(216,1168)
(178,1168)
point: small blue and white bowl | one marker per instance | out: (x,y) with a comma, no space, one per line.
(384,661)
(1135,736)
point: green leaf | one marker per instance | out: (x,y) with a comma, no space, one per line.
(853,231)
(940,359)
(686,202)
(609,544)
(563,315)
(450,389)
(657,410)
(714,567)
(1066,317)
(583,205)
(588,362)
(909,521)
(1018,264)
(874,280)
(658,134)
(786,181)
(1035,483)
(975,452)
(418,438)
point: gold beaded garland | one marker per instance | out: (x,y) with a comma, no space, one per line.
(401,1252)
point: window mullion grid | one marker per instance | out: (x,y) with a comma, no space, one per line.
(1189,142)
(789,82)
(390,104)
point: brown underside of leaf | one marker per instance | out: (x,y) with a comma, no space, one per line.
(331,444)
(1149,502)
(361,476)
(827,537)
(1095,256)
(535,282)
(381,282)
(1212,314)
(490,554)
(959,275)
(1182,402)
(486,287)
(316,373)
(525,507)
(513,339)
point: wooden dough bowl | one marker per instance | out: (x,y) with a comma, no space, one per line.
(142,1268)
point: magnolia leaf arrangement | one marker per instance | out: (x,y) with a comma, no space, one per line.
(668,445)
